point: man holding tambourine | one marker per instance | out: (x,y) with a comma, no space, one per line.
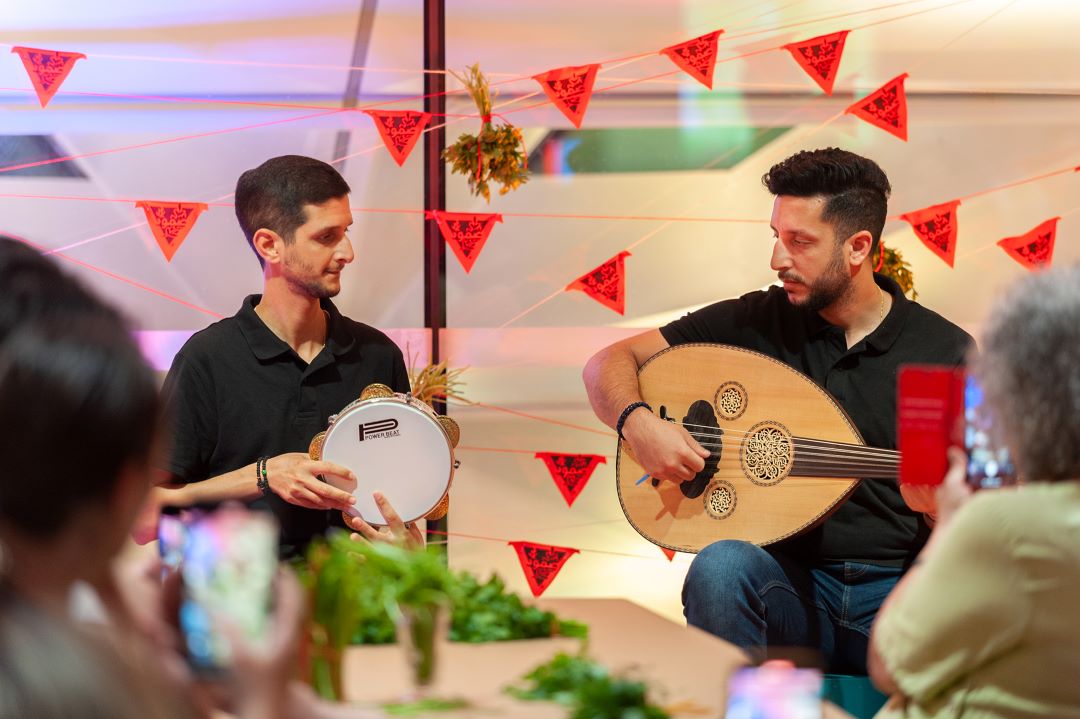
(246,395)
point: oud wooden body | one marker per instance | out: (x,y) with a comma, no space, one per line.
(756,401)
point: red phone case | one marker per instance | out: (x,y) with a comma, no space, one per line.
(929,407)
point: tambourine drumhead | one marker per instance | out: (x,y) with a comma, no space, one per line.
(393,447)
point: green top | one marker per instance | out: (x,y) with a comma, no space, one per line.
(989,626)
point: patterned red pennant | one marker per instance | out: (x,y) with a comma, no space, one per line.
(696,57)
(400,129)
(47,69)
(669,553)
(936,227)
(606,284)
(1035,248)
(820,57)
(541,562)
(570,471)
(886,108)
(466,233)
(569,88)
(170,222)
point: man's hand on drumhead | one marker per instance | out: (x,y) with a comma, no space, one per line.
(295,478)
(396,531)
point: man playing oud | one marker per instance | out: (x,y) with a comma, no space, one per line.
(849,330)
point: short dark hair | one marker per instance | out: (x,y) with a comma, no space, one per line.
(273,195)
(31,285)
(77,400)
(856,190)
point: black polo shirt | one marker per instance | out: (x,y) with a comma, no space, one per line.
(874,525)
(236,392)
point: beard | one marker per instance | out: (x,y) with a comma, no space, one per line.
(833,284)
(302,278)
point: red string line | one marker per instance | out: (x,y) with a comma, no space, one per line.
(993,243)
(558,292)
(1006,186)
(460,91)
(507,541)
(533,452)
(38,163)
(538,418)
(825,18)
(128,280)
(390,102)
(366,68)
(408,211)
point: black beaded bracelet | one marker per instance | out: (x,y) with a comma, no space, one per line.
(262,480)
(626,413)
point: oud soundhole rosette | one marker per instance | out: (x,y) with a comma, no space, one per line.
(730,400)
(720,499)
(767,453)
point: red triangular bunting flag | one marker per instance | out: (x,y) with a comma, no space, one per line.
(47,69)
(1035,248)
(606,284)
(886,108)
(820,57)
(696,57)
(570,471)
(170,222)
(569,88)
(541,562)
(669,553)
(466,233)
(936,227)
(400,129)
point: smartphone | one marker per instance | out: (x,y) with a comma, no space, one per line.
(229,564)
(775,691)
(929,411)
(171,535)
(941,407)
(989,465)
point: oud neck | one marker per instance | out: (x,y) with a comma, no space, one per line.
(821,458)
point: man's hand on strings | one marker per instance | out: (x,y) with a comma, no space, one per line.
(664,449)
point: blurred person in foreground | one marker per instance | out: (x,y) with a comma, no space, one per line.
(80,414)
(985,623)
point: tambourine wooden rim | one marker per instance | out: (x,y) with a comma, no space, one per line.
(379,394)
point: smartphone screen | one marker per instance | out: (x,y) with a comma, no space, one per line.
(767,692)
(229,564)
(171,533)
(989,465)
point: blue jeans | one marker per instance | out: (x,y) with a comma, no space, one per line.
(755,598)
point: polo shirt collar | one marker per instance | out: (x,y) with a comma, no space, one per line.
(265,345)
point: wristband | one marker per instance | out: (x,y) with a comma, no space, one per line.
(626,413)
(262,480)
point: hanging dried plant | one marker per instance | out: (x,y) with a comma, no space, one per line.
(497,154)
(892,265)
(435,381)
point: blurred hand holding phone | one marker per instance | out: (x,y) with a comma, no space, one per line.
(775,690)
(228,561)
(941,407)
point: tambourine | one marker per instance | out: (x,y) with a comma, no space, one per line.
(396,444)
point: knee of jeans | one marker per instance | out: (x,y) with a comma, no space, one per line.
(721,563)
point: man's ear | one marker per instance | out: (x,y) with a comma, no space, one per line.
(859,246)
(268,244)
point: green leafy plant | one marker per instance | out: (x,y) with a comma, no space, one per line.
(487,612)
(356,590)
(588,690)
(497,154)
(893,265)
